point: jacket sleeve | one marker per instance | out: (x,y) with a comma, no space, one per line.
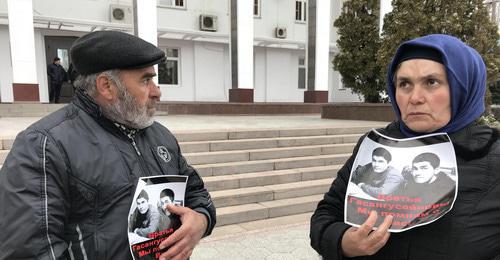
(33,192)
(197,197)
(327,222)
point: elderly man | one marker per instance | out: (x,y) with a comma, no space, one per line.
(70,177)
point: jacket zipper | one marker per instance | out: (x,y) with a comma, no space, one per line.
(142,163)
(135,147)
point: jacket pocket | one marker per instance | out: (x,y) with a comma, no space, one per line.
(83,200)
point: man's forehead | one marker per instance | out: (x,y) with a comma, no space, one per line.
(148,71)
(422,164)
(377,157)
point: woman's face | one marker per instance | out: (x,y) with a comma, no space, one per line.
(423,95)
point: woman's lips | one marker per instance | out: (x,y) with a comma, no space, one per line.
(417,113)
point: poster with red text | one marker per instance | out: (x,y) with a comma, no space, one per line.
(149,220)
(413,179)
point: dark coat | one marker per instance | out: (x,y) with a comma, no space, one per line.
(471,230)
(69,182)
(57,74)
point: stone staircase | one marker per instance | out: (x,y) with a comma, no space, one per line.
(263,174)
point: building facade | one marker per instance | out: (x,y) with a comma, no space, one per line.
(196,36)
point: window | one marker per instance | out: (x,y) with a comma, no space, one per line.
(168,71)
(256,8)
(171,3)
(63,55)
(302,73)
(341,86)
(300,10)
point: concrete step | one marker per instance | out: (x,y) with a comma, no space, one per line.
(259,225)
(253,179)
(268,209)
(28,109)
(225,198)
(259,143)
(218,169)
(192,136)
(3,155)
(268,153)
(6,143)
(247,155)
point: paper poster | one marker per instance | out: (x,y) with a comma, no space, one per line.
(414,179)
(149,220)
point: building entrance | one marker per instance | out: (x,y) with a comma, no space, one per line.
(58,46)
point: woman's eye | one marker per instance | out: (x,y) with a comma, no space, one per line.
(403,84)
(432,82)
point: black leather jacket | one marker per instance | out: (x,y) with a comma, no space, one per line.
(471,230)
(67,185)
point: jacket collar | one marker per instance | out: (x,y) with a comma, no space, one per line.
(474,141)
(87,104)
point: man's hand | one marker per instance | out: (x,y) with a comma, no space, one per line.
(184,239)
(363,241)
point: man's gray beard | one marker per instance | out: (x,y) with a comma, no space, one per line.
(126,111)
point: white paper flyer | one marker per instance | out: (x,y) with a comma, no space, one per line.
(149,220)
(414,179)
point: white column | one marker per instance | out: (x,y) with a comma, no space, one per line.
(245,43)
(146,23)
(22,45)
(322,45)
(385,7)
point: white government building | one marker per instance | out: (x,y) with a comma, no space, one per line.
(217,50)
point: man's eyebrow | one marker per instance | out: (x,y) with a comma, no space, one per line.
(148,75)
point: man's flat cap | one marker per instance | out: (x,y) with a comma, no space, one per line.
(105,50)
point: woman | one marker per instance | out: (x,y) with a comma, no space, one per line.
(436,84)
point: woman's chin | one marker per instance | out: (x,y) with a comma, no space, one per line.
(421,127)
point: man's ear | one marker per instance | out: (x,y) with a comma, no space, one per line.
(105,89)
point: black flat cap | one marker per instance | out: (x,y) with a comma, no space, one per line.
(104,50)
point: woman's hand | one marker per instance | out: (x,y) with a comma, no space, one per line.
(365,241)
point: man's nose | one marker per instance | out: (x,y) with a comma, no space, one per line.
(155,91)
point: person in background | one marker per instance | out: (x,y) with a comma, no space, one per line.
(57,75)
(436,84)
